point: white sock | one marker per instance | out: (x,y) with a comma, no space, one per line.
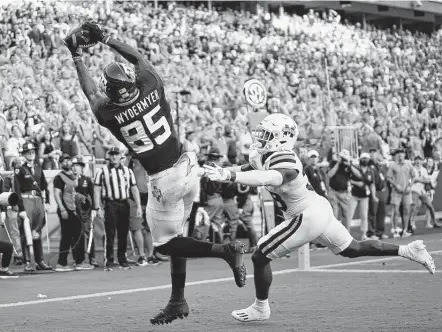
(262,304)
(403,250)
(3,269)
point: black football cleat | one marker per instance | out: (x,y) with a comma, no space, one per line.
(235,258)
(172,311)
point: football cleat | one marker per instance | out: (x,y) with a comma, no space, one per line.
(235,258)
(172,311)
(417,252)
(252,314)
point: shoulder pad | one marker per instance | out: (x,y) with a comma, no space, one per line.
(282,160)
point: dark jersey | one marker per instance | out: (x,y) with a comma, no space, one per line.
(145,125)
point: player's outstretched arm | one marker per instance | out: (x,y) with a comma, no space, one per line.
(88,86)
(86,82)
(251,178)
(242,168)
(130,53)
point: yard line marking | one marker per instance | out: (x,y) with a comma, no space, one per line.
(193,283)
(368,271)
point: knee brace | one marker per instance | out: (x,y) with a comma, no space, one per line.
(259,259)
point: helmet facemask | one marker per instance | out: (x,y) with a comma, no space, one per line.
(266,140)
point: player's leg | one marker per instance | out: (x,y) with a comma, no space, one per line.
(339,241)
(281,240)
(166,214)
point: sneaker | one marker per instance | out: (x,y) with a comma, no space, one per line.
(142,261)
(8,275)
(374,237)
(93,262)
(252,313)
(18,260)
(83,267)
(131,261)
(153,261)
(63,268)
(396,235)
(42,266)
(125,266)
(28,268)
(416,252)
(109,266)
(364,237)
(384,236)
(406,234)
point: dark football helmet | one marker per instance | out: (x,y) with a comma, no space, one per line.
(118,82)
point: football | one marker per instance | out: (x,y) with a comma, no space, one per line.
(78,38)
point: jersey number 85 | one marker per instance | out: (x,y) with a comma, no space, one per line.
(135,133)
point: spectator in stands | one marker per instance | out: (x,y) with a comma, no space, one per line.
(13,145)
(47,152)
(68,140)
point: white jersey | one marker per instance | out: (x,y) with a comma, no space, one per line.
(293,197)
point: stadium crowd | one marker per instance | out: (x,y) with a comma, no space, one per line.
(319,70)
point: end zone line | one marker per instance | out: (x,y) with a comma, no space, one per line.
(320,268)
(368,271)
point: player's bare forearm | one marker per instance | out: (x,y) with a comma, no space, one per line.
(86,81)
(259,178)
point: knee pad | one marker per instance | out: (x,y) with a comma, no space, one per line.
(165,225)
(259,259)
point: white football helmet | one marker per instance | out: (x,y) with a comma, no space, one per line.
(275,133)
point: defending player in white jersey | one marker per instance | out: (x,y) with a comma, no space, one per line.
(308,216)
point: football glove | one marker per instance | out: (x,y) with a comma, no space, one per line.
(217,174)
(76,51)
(97,34)
(255,158)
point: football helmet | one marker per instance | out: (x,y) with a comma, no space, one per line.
(118,82)
(275,133)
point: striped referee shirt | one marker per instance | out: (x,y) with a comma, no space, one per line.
(115,182)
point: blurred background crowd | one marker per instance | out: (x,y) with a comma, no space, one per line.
(318,68)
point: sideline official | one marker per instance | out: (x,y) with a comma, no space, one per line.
(32,189)
(112,184)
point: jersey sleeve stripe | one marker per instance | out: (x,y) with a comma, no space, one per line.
(284,163)
(276,159)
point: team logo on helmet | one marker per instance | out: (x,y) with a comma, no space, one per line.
(255,93)
(128,71)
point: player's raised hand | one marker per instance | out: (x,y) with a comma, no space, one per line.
(97,34)
(216,173)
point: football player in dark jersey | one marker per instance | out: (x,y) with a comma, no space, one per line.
(133,106)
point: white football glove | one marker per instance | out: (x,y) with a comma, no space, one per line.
(255,158)
(216,173)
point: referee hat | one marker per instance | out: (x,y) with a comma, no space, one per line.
(114,150)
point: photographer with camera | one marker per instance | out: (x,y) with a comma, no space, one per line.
(341,171)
